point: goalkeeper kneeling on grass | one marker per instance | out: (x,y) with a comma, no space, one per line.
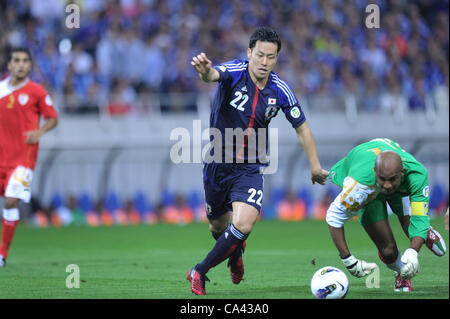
(373,175)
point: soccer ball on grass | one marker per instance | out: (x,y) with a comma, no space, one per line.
(329,283)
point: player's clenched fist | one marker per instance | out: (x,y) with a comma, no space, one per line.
(319,176)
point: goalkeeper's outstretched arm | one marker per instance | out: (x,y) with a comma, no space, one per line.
(336,218)
(338,236)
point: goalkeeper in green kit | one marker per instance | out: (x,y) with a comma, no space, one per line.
(373,175)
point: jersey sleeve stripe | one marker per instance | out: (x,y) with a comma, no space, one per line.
(290,92)
(235,70)
(233,64)
(234,67)
(289,97)
(285,88)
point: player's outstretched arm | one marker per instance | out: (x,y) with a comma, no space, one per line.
(204,68)
(338,236)
(306,139)
(337,215)
(356,267)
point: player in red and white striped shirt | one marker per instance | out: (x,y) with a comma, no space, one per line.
(22,102)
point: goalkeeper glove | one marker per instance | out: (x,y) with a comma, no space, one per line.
(411,264)
(358,268)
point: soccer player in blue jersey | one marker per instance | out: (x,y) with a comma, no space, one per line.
(248,96)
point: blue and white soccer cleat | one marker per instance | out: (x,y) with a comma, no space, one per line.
(2,261)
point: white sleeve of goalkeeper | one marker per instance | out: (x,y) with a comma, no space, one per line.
(336,216)
(348,203)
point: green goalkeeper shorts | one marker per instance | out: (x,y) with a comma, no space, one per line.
(376,210)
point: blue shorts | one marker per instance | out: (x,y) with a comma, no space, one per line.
(226,183)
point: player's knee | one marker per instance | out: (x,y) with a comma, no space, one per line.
(389,253)
(216,232)
(10,203)
(217,228)
(244,228)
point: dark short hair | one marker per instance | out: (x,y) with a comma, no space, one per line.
(265,34)
(21,49)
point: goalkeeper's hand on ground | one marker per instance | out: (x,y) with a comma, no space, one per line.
(358,268)
(411,267)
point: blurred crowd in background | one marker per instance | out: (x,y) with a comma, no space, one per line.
(132,58)
(285,205)
(128,55)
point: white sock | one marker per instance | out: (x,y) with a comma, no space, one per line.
(397,264)
(11,214)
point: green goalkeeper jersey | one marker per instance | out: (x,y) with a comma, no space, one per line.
(359,165)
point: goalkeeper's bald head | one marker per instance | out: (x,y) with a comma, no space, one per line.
(389,171)
(388,163)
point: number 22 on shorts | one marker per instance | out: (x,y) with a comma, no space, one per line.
(253,192)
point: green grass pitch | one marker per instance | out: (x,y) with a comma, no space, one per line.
(151,262)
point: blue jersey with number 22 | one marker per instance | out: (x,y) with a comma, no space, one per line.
(240,104)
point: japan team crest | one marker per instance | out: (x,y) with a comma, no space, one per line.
(271,111)
(23,99)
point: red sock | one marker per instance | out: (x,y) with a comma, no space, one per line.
(9,227)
